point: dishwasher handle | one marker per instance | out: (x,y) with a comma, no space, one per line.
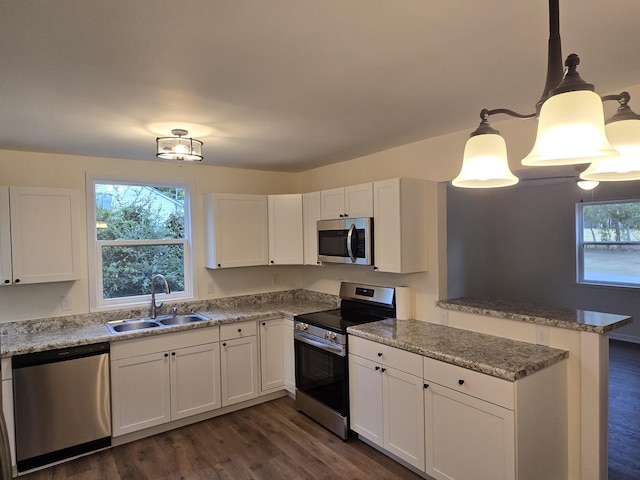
(59,355)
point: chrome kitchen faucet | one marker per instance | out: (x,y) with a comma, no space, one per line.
(167,291)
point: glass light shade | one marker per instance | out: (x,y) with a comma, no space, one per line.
(587,184)
(179,148)
(570,131)
(624,135)
(485,163)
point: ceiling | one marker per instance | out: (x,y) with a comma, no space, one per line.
(286,85)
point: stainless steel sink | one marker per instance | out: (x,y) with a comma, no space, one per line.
(121,326)
(181,319)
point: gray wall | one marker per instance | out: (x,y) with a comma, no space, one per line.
(518,243)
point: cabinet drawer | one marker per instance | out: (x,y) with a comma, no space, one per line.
(164,341)
(479,385)
(230,331)
(386,355)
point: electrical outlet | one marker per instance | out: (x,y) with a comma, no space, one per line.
(542,335)
(65,303)
(210,288)
(275,279)
(443,317)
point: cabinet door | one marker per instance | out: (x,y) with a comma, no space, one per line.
(271,355)
(195,380)
(236,230)
(387,226)
(140,395)
(358,200)
(289,356)
(239,365)
(365,399)
(285,229)
(44,235)
(403,414)
(332,203)
(6,277)
(467,438)
(311,213)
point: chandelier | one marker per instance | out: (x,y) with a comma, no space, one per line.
(179,147)
(571,129)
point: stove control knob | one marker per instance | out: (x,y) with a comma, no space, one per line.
(333,337)
(304,326)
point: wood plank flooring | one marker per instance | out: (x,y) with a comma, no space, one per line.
(271,441)
(624,411)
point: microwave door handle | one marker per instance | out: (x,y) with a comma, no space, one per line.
(352,229)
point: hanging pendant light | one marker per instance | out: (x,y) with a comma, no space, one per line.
(623,131)
(571,124)
(179,147)
(485,163)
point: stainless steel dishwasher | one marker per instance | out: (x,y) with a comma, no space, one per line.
(62,404)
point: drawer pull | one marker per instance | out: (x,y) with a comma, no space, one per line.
(460,382)
(224,344)
(383,369)
(426,385)
(379,354)
(166,355)
(239,330)
(377,368)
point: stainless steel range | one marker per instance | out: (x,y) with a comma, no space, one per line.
(320,340)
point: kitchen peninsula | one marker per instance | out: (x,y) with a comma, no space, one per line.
(584,334)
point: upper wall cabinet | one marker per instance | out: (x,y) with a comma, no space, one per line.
(311,214)
(400,225)
(39,231)
(353,201)
(285,229)
(236,231)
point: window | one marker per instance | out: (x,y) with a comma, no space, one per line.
(608,243)
(138,231)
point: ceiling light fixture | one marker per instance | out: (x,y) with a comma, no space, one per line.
(587,184)
(571,129)
(179,147)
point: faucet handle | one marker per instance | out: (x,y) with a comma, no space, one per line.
(174,310)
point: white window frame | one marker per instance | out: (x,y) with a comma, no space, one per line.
(97,301)
(581,243)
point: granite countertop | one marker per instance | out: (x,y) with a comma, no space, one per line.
(61,332)
(584,320)
(495,356)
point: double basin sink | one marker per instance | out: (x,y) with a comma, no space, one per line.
(123,326)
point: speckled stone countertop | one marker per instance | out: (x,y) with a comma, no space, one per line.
(584,320)
(495,356)
(59,332)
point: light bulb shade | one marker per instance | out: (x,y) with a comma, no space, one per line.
(587,184)
(570,131)
(624,135)
(485,163)
(179,148)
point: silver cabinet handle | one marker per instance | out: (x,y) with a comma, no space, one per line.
(352,229)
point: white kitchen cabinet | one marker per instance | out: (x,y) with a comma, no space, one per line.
(7,407)
(166,377)
(480,427)
(38,235)
(386,398)
(353,201)
(400,225)
(285,229)
(311,213)
(271,355)
(236,230)
(239,362)
(289,356)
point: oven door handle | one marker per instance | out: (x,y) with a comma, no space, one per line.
(352,229)
(326,346)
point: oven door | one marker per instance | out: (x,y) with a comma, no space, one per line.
(321,372)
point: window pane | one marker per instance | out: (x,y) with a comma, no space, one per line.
(619,264)
(611,222)
(127,270)
(139,212)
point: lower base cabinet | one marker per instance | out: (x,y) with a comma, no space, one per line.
(386,399)
(158,379)
(239,362)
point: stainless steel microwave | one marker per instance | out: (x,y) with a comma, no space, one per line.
(347,240)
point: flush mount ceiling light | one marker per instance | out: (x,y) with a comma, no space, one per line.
(179,147)
(571,129)
(587,184)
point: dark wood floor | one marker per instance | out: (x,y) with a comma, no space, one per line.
(269,441)
(624,411)
(274,441)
